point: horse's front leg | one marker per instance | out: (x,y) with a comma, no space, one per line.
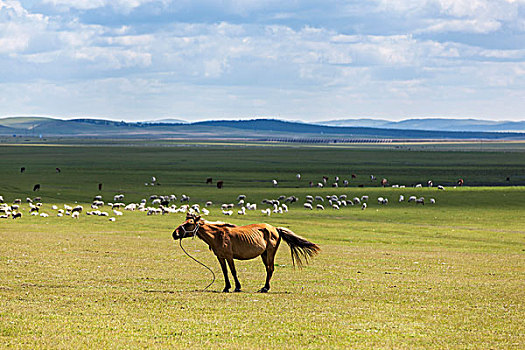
(227,284)
(234,273)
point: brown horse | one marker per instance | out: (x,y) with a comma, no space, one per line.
(230,242)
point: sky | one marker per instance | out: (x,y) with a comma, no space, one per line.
(303,60)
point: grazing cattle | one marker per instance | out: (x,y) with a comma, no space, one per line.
(36,187)
(220,184)
(22,169)
(209,180)
(58,170)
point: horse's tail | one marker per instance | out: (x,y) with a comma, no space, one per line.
(299,246)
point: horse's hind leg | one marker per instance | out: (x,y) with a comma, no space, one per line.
(227,284)
(234,273)
(268,263)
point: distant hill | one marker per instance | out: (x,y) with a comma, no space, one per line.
(440,124)
(227,129)
(166,121)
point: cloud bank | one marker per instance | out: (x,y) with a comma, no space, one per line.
(309,60)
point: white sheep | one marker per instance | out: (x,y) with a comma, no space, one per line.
(117,213)
(274,183)
(75,215)
(363,207)
(432,201)
(242,211)
(227,212)
(308,206)
(298,176)
(441,187)
(319,206)
(266,211)
(401,198)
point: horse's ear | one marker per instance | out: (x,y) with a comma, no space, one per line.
(197,218)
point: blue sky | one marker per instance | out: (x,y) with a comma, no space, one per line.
(231,59)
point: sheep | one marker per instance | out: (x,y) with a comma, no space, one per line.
(363,207)
(184,198)
(205,211)
(291,199)
(78,209)
(364,198)
(117,213)
(281,197)
(1,199)
(156,201)
(432,201)
(16,215)
(343,197)
(420,200)
(412,199)
(320,185)
(34,213)
(345,183)
(75,215)
(251,206)
(285,208)
(380,200)
(228,212)
(401,198)
(242,211)
(430,183)
(266,211)
(118,197)
(441,187)
(307,206)
(356,200)
(111,219)
(319,207)
(311,198)
(319,198)
(44,215)
(209,203)
(274,183)
(131,207)
(241,196)
(335,206)
(298,176)
(17,201)
(419,185)
(241,203)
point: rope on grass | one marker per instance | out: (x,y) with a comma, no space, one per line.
(197,261)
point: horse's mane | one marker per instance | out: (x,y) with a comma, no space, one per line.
(219,223)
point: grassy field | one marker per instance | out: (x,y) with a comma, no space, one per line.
(449,275)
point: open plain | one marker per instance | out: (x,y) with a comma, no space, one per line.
(400,275)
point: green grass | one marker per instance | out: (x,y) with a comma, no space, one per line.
(449,275)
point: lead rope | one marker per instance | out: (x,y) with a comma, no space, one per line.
(197,261)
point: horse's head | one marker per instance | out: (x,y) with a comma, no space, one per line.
(188,228)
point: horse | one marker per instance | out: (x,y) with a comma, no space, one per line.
(228,242)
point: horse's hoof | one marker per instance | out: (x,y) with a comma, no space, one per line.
(263,290)
(226,290)
(237,290)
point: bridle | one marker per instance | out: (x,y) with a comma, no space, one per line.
(193,232)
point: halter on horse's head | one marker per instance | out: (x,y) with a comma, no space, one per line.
(188,228)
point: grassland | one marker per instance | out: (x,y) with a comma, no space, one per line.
(450,275)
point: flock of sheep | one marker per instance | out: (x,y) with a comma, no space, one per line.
(171,204)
